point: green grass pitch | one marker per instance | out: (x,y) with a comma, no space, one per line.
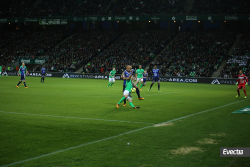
(74,123)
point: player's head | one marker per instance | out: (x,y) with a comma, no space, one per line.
(43,66)
(241,72)
(155,66)
(23,64)
(128,68)
(139,66)
(145,71)
(114,69)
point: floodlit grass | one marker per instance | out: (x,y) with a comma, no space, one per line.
(74,123)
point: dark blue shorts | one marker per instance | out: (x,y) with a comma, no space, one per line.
(156,79)
(22,77)
(43,75)
(144,80)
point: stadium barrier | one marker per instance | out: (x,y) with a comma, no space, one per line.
(62,20)
(104,76)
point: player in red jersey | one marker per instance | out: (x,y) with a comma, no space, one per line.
(242,82)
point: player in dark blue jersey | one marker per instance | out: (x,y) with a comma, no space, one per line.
(156,78)
(145,77)
(126,75)
(23,70)
(43,73)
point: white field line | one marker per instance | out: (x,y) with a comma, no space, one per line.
(85,144)
(74,117)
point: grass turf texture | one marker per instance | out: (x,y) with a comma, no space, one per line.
(192,141)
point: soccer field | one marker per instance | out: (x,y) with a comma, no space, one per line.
(74,123)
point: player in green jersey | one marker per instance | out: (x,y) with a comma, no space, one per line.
(112,77)
(127,92)
(139,76)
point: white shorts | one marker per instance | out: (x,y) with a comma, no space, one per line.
(139,79)
(126,92)
(111,79)
(0,73)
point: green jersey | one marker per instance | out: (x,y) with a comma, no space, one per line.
(192,74)
(0,68)
(139,73)
(112,73)
(129,85)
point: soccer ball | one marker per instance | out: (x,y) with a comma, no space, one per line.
(133,90)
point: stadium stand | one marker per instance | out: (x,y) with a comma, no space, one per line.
(195,54)
(15,8)
(29,43)
(239,60)
(69,8)
(220,7)
(131,7)
(134,47)
(78,50)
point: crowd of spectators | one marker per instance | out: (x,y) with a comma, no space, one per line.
(220,7)
(69,7)
(133,47)
(239,60)
(78,50)
(29,43)
(145,7)
(194,54)
(15,8)
(47,8)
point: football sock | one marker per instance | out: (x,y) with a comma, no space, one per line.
(24,84)
(112,83)
(245,92)
(151,86)
(109,84)
(18,83)
(158,86)
(43,79)
(0,76)
(238,91)
(141,85)
(138,93)
(131,104)
(122,99)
